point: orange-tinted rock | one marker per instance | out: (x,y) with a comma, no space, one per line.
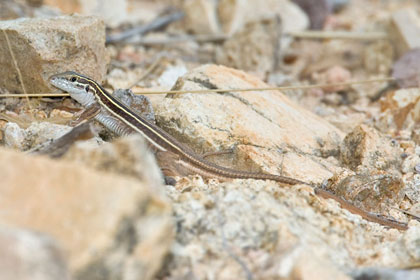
(101,220)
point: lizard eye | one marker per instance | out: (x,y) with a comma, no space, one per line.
(87,88)
(73,79)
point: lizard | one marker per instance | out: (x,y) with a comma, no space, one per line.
(180,159)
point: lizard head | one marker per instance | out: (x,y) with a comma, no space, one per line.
(80,88)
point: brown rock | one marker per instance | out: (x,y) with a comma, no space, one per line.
(364,146)
(373,192)
(400,110)
(33,49)
(26,255)
(269,131)
(108,225)
(261,39)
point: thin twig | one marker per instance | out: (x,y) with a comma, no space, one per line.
(181,39)
(34,95)
(141,30)
(379,80)
(265,88)
(338,35)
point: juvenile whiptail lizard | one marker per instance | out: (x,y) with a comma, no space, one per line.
(120,119)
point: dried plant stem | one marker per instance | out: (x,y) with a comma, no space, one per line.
(339,35)
(379,80)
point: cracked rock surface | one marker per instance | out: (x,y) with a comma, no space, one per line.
(266,128)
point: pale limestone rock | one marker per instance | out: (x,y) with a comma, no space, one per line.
(308,268)
(234,14)
(400,110)
(200,16)
(42,47)
(247,227)
(109,226)
(411,240)
(269,131)
(171,74)
(27,255)
(113,12)
(409,164)
(14,136)
(405,30)
(36,134)
(254,48)
(123,156)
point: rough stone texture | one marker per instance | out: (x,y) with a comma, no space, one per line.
(269,131)
(364,147)
(383,180)
(26,255)
(234,14)
(400,110)
(42,47)
(110,227)
(235,229)
(36,134)
(253,48)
